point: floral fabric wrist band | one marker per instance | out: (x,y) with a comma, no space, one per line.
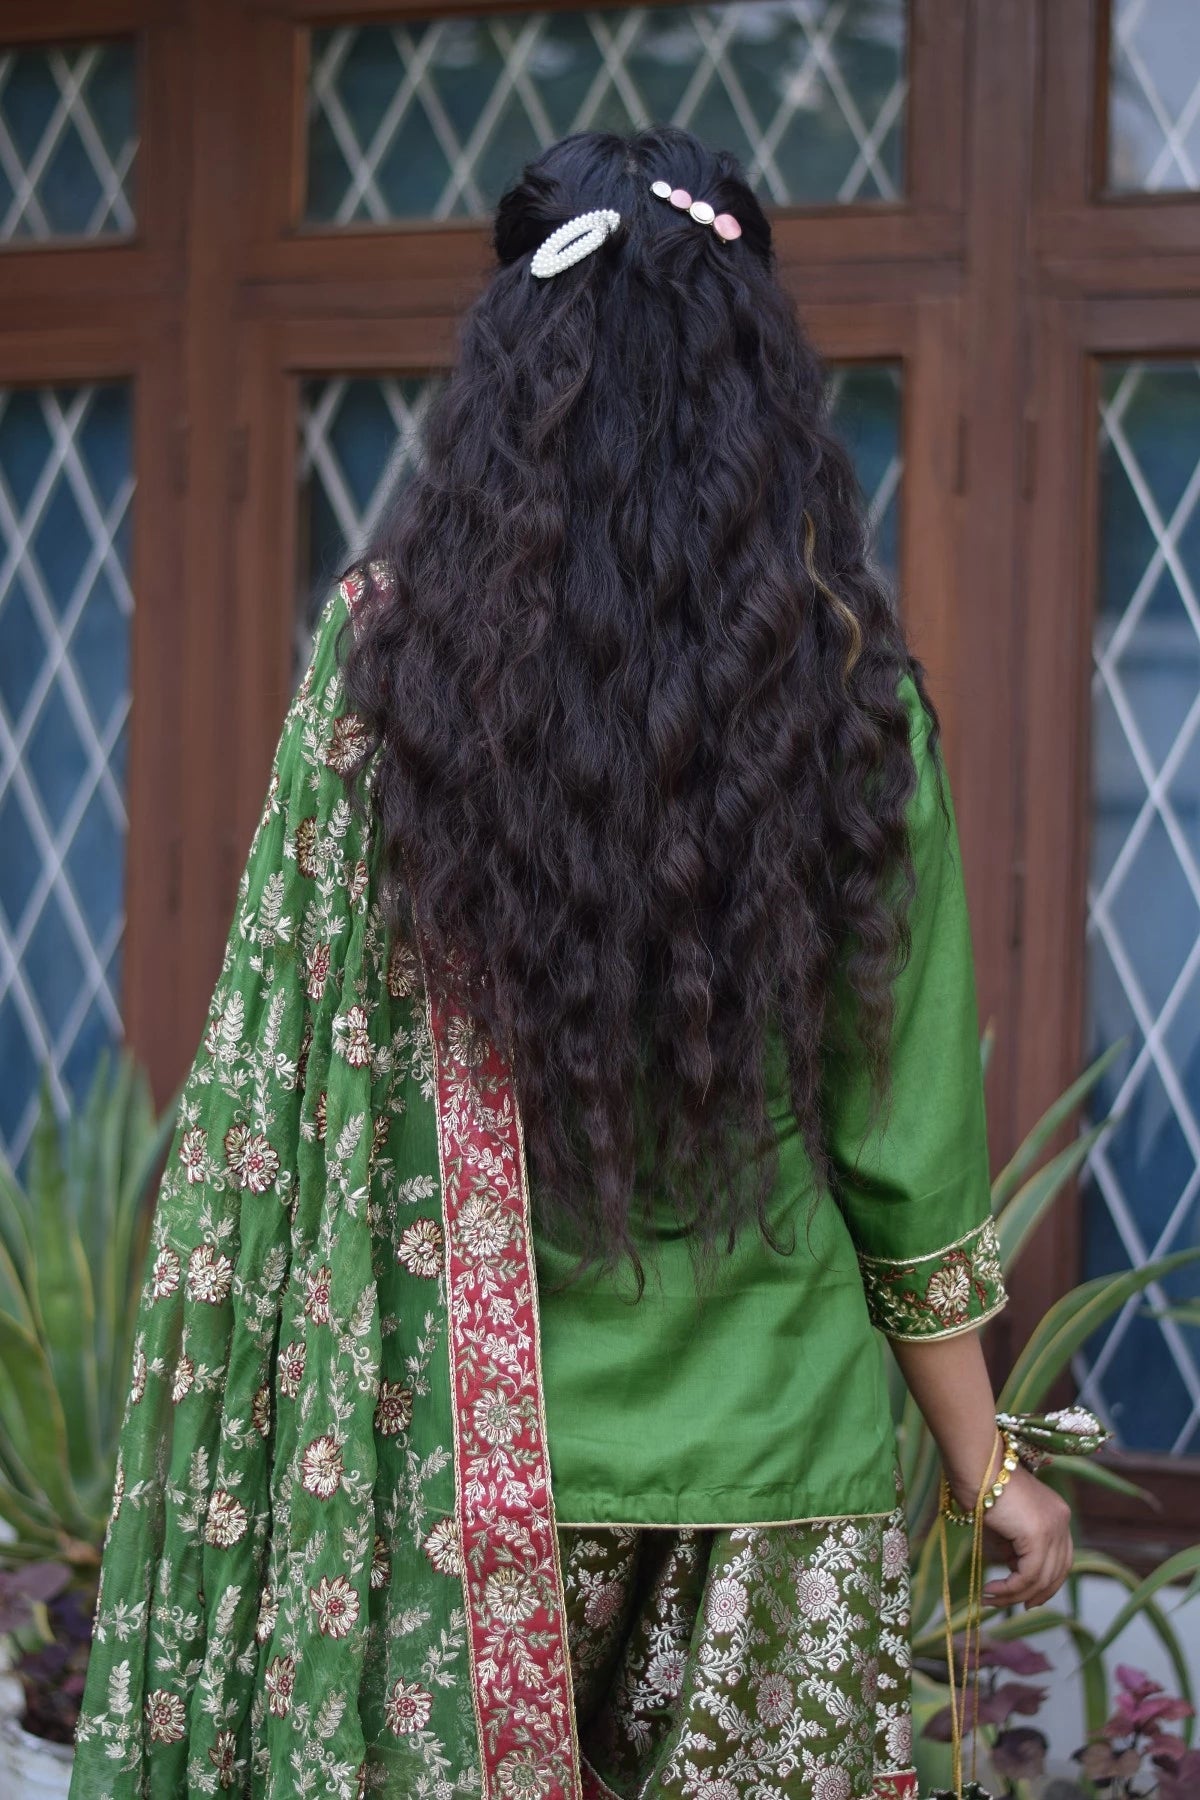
(1068,1431)
(958,1515)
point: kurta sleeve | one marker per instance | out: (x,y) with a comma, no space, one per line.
(914,1184)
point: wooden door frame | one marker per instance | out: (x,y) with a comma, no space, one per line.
(1107,276)
(1074,336)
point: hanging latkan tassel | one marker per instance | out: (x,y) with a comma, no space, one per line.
(973,1789)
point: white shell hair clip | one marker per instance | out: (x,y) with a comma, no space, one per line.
(573,241)
(724,224)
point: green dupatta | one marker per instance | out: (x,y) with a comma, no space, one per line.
(332,1564)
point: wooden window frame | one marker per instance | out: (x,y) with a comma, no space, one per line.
(1108,276)
(995,278)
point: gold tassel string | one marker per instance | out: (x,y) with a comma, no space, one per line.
(974,1624)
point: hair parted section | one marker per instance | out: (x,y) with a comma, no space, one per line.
(641,766)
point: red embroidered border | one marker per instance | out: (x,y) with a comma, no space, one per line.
(512,1576)
(902,1785)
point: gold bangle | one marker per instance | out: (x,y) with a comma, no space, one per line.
(956,1514)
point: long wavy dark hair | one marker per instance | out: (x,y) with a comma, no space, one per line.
(642,766)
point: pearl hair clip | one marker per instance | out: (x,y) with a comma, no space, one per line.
(724,224)
(573,241)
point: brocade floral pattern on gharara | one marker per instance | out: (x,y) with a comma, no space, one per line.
(744,1664)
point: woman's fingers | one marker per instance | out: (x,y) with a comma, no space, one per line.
(1039,1571)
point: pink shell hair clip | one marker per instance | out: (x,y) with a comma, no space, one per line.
(724,224)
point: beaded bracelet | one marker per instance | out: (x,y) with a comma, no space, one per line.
(956,1514)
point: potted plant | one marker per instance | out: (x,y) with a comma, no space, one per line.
(1022,1193)
(72,1242)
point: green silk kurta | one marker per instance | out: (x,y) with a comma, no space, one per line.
(769,1401)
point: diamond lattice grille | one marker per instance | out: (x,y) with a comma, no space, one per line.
(66,485)
(359,434)
(433,118)
(1154,96)
(1142,1183)
(67,141)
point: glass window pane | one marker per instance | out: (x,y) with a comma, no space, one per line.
(865,412)
(66,486)
(1154,96)
(433,118)
(357,432)
(68,138)
(1141,1189)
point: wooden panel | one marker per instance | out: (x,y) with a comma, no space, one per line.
(221,107)
(1071,117)
(1054,774)
(987,676)
(157,770)
(66,21)
(994,282)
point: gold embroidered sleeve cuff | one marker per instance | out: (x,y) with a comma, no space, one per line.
(950,1290)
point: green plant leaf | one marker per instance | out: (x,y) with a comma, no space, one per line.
(62,1281)
(32,1415)
(146,1140)
(1142,1604)
(14,1233)
(1083,1468)
(1028,1206)
(987,1045)
(1188,1313)
(1056,1115)
(13,1298)
(1071,1321)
